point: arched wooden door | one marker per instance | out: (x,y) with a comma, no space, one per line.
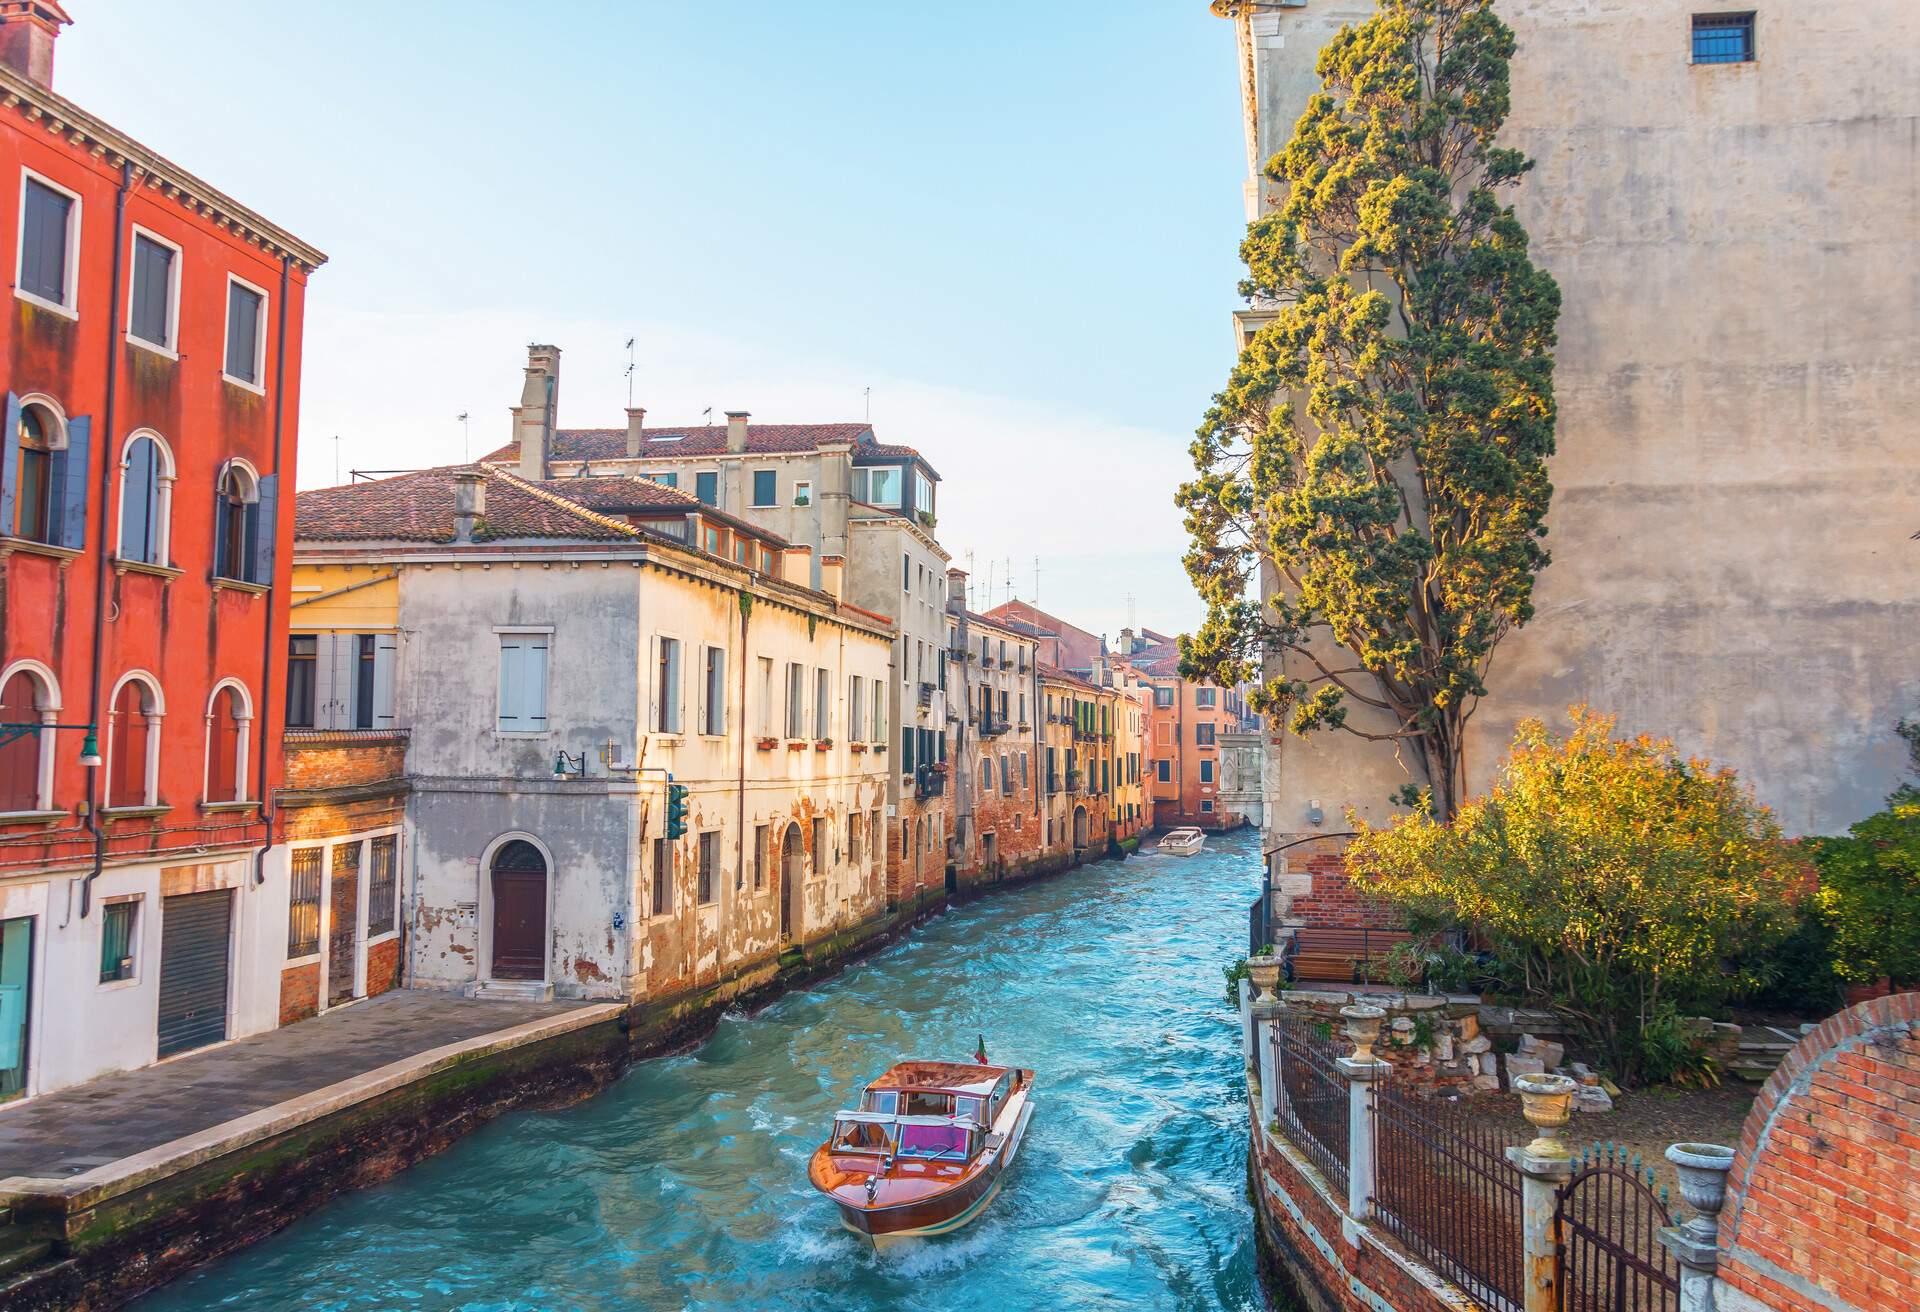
(793,872)
(519,911)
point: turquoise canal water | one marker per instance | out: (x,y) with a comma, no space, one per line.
(684,1185)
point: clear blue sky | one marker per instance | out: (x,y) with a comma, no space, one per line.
(1014,222)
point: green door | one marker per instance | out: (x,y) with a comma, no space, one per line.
(16,998)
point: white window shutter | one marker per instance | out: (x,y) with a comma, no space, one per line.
(323,681)
(384,653)
(533,668)
(510,653)
(700,691)
(651,677)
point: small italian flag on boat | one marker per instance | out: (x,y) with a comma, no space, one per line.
(980,1052)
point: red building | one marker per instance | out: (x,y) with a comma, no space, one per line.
(152,358)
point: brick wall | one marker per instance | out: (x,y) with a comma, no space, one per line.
(1823,1207)
(383,966)
(299,992)
(1334,902)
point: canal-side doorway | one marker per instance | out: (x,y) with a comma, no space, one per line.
(519,912)
(793,869)
(343,923)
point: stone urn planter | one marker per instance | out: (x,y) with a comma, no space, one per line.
(1702,1168)
(1547,1101)
(1264,971)
(1363,1028)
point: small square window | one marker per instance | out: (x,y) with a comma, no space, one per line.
(1723,38)
(803,494)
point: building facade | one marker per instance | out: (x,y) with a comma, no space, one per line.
(1732,526)
(1186,723)
(833,488)
(152,356)
(998,783)
(636,765)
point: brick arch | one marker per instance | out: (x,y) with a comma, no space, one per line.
(1823,1202)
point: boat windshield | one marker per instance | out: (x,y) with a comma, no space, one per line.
(941,1142)
(970,1109)
(860,1136)
(882,1100)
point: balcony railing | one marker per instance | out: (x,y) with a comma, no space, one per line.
(926,695)
(929,782)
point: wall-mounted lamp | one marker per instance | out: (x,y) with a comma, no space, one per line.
(1315,816)
(90,750)
(575,765)
(89,746)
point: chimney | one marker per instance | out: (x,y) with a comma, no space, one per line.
(796,566)
(28,29)
(737,431)
(539,404)
(469,502)
(636,421)
(833,577)
(1126,642)
(956,590)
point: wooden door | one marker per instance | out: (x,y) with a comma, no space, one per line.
(343,923)
(793,867)
(519,912)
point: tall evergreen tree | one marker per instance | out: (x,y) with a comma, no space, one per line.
(1383,443)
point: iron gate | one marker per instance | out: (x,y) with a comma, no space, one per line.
(1609,1220)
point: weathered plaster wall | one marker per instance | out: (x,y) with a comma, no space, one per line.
(1739,462)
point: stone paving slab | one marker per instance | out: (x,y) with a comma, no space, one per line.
(63,1134)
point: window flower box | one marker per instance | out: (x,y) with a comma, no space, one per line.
(796,744)
(823,744)
(856,747)
(768,744)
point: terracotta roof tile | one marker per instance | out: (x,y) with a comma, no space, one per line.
(418,507)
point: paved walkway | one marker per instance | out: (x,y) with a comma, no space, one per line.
(90,1125)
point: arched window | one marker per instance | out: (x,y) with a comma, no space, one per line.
(33,484)
(133,744)
(228,717)
(238,507)
(146,500)
(27,697)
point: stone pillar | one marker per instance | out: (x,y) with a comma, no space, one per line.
(1361,1070)
(1544,1165)
(1265,1065)
(1702,1168)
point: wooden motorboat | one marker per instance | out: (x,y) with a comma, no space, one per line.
(927,1148)
(1183,842)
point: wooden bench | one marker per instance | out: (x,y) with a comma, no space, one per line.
(1344,956)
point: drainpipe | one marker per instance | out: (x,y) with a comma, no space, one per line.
(740,781)
(273,594)
(106,505)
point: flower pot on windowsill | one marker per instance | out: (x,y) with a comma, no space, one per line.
(768,744)
(939,767)
(856,747)
(823,744)
(879,749)
(796,744)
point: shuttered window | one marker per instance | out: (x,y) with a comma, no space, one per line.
(765,488)
(856,708)
(46,243)
(662,876)
(796,700)
(706,487)
(713,710)
(141,535)
(150,316)
(244,315)
(822,704)
(303,904)
(523,682)
(383,885)
(709,864)
(666,686)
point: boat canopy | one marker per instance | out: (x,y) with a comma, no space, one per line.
(963,1077)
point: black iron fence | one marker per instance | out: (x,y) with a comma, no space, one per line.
(1444,1188)
(1311,1103)
(1611,1257)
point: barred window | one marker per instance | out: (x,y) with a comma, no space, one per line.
(383,886)
(1723,38)
(709,865)
(116,941)
(303,908)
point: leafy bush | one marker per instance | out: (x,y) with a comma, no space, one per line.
(1612,881)
(1870,893)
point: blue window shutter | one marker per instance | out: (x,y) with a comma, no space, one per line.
(9,463)
(70,485)
(219,529)
(260,531)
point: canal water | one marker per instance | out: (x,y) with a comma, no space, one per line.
(684,1185)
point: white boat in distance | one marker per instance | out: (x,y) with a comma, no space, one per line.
(1183,842)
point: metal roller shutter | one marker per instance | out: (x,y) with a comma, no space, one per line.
(194,930)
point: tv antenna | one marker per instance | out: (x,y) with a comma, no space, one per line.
(465,446)
(336,459)
(630,368)
(706,417)
(866,394)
